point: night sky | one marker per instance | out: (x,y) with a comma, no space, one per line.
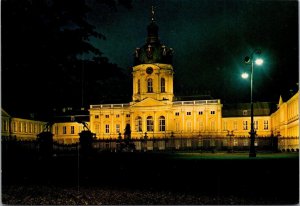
(48,49)
(210,39)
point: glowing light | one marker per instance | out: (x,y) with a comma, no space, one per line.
(259,61)
(245,75)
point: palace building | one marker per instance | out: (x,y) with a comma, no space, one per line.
(154,112)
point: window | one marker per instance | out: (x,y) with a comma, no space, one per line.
(25,127)
(176,113)
(149,85)
(150,124)
(177,126)
(201,127)
(162,123)
(106,116)
(256,125)
(245,112)
(189,126)
(139,87)
(213,125)
(72,129)
(188,113)
(200,112)
(163,85)
(212,112)
(107,128)
(30,128)
(64,130)
(14,126)
(117,128)
(127,115)
(266,125)
(235,125)
(117,116)
(138,124)
(245,125)
(19,126)
(56,129)
(225,125)
(96,116)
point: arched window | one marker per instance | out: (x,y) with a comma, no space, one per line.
(150,124)
(162,123)
(139,87)
(150,85)
(138,124)
(163,85)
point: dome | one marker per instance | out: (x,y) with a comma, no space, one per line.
(153,51)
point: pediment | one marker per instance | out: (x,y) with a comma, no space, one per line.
(148,102)
(4,113)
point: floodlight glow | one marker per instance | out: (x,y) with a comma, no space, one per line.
(245,75)
(259,61)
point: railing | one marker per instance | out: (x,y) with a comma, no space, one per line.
(100,106)
(201,143)
(197,102)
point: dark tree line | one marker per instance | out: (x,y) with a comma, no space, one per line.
(43,45)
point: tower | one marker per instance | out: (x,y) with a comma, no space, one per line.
(153,72)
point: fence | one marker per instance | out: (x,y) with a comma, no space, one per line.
(209,144)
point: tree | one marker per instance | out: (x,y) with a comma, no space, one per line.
(42,44)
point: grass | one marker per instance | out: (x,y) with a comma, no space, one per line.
(229,156)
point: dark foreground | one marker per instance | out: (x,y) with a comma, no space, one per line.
(130,178)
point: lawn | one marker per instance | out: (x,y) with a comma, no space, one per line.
(153,178)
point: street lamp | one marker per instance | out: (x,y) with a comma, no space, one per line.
(249,60)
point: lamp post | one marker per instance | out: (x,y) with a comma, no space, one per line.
(249,60)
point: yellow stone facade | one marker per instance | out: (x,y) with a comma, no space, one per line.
(285,121)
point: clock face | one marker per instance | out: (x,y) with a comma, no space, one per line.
(149,70)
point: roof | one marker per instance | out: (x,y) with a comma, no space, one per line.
(244,109)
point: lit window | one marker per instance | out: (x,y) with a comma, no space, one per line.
(149,124)
(138,124)
(213,125)
(162,123)
(72,129)
(266,125)
(163,85)
(107,128)
(212,112)
(188,113)
(200,112)
(176,113)
(177,126)
(235,125)
(96,116)
(245,125)
(225,125)
(256,125)
(106,116)
(64,130)
(245,112)
(149,85)
(189,126)
(117,128)
(201,127)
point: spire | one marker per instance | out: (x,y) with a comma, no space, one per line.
(152,29)
(152,12)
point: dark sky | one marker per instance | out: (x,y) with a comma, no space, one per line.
(210,39)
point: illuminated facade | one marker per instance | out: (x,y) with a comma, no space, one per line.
(285,121)
(154,113)
(20,128)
